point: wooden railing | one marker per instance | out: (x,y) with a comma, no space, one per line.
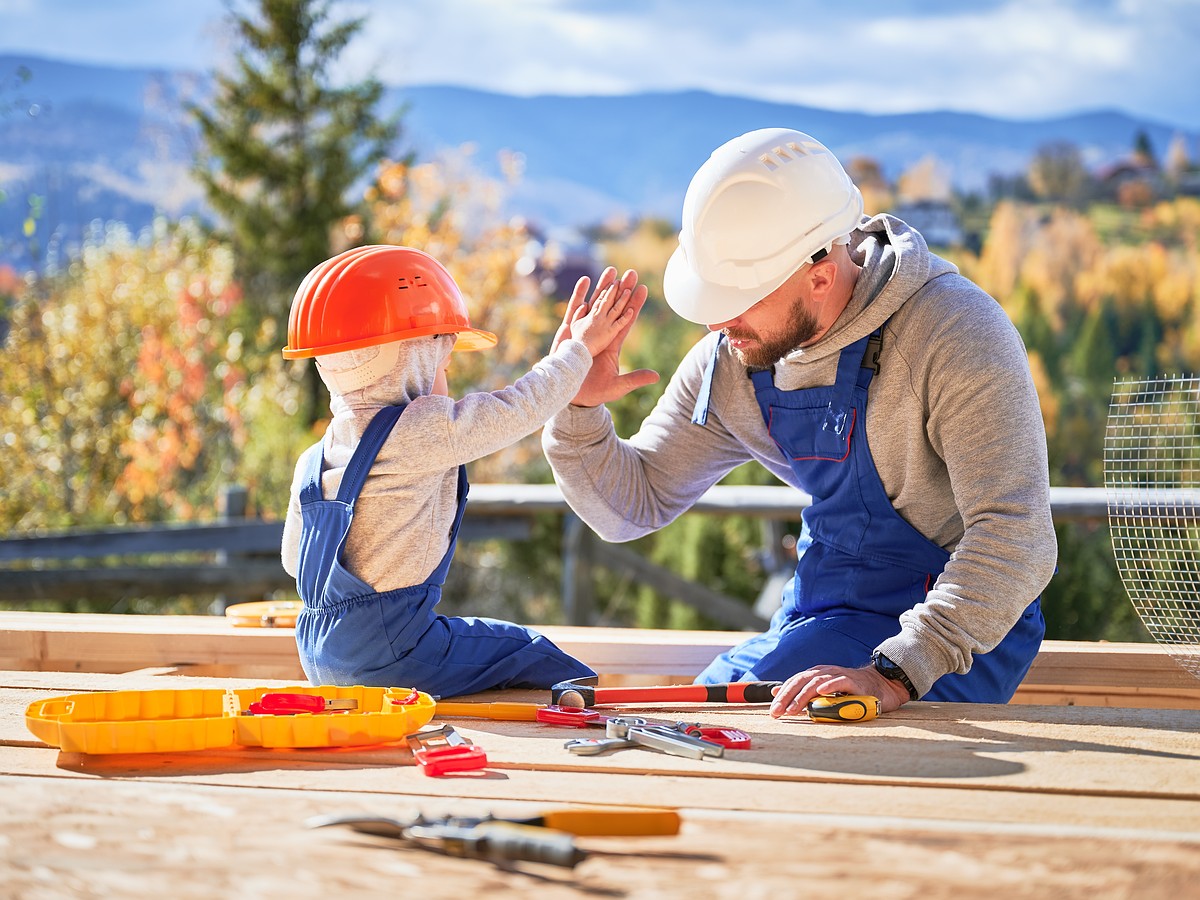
(239,557)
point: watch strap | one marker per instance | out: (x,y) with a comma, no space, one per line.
(893,672)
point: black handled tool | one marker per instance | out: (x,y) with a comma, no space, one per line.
(579,693)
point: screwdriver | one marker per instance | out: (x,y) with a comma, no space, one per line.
(582,821)
(499,843)
(507,711)
(844,708)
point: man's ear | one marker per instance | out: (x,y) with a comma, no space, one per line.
(822,276)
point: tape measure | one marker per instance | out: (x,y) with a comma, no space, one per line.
(844,708)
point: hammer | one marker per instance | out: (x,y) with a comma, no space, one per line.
(583,692)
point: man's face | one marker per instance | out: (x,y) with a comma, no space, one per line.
(771,328)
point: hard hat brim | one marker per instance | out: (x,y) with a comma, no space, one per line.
(702,302)
(468,339)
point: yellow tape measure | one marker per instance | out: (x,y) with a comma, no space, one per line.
(844,708)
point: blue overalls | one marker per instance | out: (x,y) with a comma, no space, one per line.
(860,564)
(349,634)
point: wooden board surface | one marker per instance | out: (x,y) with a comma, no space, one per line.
(936,800)
(1067,673)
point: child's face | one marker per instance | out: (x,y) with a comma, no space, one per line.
(440,385)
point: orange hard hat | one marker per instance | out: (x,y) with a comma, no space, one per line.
(375,295)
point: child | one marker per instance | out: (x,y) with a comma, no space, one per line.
(370,564)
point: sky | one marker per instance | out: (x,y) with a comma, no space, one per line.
(1014,59)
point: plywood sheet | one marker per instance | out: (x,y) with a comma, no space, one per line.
(182,840)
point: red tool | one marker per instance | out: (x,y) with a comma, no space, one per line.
(729,738)
(444,750)
(291,704)
(575,716)
(580,693)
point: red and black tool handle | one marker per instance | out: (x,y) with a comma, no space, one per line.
(571,693)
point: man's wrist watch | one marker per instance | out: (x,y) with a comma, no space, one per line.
(893,672)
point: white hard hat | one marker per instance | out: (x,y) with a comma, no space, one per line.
(757,210)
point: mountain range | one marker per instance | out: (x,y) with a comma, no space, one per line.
(100,144)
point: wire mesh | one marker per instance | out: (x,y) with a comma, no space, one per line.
(1152,484)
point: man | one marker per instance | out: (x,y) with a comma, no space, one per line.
(860,368)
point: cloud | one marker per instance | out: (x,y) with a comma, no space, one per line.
(1019,59)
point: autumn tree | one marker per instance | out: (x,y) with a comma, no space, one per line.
(121,379)
(1179,161)
(286,150)
(927,179)
(868,175)
(1057,173)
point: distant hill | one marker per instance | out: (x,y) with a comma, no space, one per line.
(103,143)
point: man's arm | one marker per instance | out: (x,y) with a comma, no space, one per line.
(625,489)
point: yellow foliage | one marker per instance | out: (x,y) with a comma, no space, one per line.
(121,384)
(1011,233)
(1065,246)
(452,212)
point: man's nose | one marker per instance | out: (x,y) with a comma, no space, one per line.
(720,326)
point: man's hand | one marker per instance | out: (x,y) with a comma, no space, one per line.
(604,382)
(793,696)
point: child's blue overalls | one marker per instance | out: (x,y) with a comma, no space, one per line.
(348,634)
(860,564)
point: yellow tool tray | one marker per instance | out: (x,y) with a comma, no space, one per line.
(172,721)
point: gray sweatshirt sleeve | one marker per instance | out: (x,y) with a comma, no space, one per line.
(984,421)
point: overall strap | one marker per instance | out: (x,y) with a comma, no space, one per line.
(704,397)
(311,461)
(364,454)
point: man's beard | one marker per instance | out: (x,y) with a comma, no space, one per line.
(800,328)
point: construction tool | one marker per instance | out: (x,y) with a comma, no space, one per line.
(631,731)
(578,821)
(509,712)
(844,708)
(584,692)
(729,738)
(443,750)
(277,704)
(546,838)
(582,717)
(500,843)
(168,720)
(675,741)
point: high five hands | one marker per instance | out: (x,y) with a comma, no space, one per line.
(604,382)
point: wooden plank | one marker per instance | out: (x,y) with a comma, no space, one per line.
(938,797)
(182,840)
(1065,672)
(1093,751)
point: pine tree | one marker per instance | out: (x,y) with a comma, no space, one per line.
(284,149)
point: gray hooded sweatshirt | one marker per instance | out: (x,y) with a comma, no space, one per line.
(954,426)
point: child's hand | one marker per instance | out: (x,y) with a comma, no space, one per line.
(605,381)
(596,325)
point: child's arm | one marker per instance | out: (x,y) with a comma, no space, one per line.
(438,432)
